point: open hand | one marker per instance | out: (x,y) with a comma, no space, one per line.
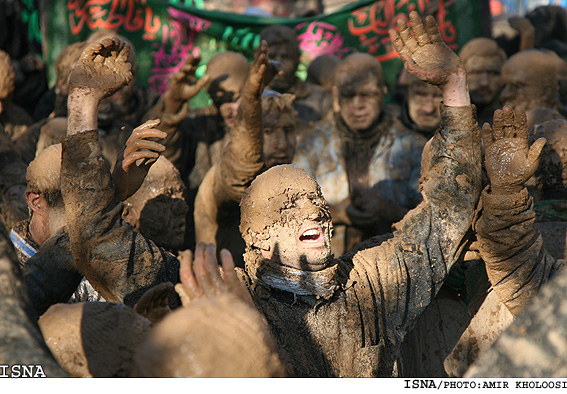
(509,161)
(183,85)
(201,277)
(426,55)
(102,69)
(262,71)
(136,158)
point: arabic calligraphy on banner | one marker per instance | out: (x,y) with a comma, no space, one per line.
(164,33)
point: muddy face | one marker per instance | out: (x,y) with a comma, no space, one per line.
(287,56)
(484,78)
(228,72)
(423,105)
(285,217)
(529,80)
(302,239)
(228,112)
(279,138)
(360,103)
(163,220)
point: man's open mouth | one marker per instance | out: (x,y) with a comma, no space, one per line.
(311,235)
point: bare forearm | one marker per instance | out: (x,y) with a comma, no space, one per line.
(82,109)
(456,90)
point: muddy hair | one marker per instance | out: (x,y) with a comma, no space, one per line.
(483,47)
(275,102)
(43,175)
(7,74)
(356,69)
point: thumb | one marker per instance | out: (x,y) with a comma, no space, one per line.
(534,153)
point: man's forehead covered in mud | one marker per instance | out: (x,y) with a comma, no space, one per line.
(355,70)
(482,54)
(270,197)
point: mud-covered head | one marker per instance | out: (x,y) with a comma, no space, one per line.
(94,339)
(220,337)
(228,72)
(7,78)
(359,91)
(43,175)
(284,48)
(285,218)
(278,127)
(530,80)
(423,100)
(552,172)
(483,60)
(158,209)
(321,71)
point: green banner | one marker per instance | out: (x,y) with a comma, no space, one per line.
(165,32)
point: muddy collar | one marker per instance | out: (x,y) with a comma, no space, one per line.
(321,284)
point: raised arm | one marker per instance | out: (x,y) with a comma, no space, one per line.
(509,243)
(119,263)
(408,270)
(242,157)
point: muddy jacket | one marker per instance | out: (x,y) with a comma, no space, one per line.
(119,263)
(386,284)
(394,168)
(22,342)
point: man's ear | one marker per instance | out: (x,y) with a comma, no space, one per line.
(336,102)
(36,202)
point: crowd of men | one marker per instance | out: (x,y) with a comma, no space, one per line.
(360,232)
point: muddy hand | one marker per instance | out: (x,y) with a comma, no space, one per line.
(102,69)
(200,276)
(424,53)
(255,84)
(154,304)
(183,84)
(136,158)
(509,160)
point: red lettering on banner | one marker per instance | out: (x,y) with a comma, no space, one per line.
(130,15)
(371,24)
(178,38)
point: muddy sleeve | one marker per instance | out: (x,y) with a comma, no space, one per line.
(173,125)
(50,275)
(406,272)
(120,263)
(413,193)
(241,157)
(22,342)
(517,264)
